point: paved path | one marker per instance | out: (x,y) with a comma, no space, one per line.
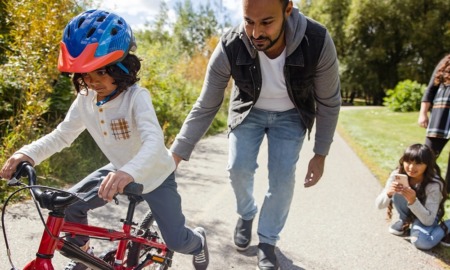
(333,225)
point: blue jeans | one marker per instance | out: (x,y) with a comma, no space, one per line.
(285,133)
(422,236)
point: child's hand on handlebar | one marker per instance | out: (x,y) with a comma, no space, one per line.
(10,166)
(114,183)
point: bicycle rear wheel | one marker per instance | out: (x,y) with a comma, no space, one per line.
(139,254)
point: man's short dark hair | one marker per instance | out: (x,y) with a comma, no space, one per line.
(285,3)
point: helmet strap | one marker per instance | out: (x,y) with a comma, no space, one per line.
(107,98)
(122,67)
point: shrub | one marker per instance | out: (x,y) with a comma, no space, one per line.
(405,97)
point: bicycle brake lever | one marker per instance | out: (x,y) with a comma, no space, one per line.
(116,201)
(13,182)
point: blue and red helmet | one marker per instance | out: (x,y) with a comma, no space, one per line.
(94,39)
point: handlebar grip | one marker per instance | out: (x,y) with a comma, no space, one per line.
(133,188)
(24,169)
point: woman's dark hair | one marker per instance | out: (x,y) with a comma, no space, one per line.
(442,74)
(121,78)
(423,154)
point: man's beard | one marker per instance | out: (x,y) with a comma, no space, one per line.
(271,42)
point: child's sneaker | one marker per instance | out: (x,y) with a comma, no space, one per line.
(398,228)
(201,260)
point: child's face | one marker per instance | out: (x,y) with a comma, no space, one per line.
(99,81)
(414,169)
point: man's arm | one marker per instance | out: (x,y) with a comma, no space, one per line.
(328,102)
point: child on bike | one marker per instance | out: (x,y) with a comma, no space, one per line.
(119,115)
(419,201)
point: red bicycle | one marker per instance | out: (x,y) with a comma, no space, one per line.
(138,246)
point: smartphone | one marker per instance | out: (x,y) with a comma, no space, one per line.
(401,179)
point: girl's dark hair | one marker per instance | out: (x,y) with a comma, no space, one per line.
(443,72)
(423,154)
(121,78)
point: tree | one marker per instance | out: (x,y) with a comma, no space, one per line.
(332,14)
(29,74)
(193,29)
(380,43)
(4,30)
(158,30)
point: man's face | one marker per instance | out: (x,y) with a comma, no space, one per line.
(264,24)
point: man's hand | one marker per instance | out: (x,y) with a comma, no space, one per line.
(177,159)
(315,170)
(114,183)
(10,166)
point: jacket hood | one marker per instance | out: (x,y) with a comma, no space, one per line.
(294,33)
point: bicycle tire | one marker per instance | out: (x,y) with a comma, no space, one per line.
(137,251)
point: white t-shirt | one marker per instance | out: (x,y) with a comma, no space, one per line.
(274,96)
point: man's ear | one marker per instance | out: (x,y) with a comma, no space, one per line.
(289,9)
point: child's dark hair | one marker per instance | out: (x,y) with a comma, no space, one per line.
(121,79)
(423,154)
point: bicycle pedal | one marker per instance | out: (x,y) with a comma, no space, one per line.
(162,260)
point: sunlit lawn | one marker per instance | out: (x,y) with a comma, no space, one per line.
(379,137)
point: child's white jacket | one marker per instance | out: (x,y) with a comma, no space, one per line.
(126,129)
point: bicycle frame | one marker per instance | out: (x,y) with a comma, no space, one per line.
(56,225)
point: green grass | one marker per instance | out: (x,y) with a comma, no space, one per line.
(379,137)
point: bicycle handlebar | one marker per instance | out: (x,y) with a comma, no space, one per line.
(53,199)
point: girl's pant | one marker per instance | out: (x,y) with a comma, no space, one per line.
(285,134)
(164,202)
(422,236)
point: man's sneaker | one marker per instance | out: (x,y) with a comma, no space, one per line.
(267,260)
(398,228)
(446,241)
(201,260)
(243,234)
(77,265)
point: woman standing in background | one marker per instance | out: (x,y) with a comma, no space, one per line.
(436,100)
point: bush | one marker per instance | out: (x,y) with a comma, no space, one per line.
(405,97)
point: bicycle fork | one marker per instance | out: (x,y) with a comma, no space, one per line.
(49,243)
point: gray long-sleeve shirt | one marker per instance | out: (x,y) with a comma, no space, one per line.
(427,212)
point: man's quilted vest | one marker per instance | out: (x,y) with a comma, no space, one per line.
(299,71)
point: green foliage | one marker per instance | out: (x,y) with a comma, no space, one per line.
(405,97)
(4,30)
(34,97)
(174,90)
(28,76)
(172,96)
(380,43)
(192,29)
(379,137)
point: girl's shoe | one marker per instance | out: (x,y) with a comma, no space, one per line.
(398,228)
(446,241)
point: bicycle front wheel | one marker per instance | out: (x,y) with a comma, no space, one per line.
(146,257)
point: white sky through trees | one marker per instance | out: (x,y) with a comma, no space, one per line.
(139,12)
